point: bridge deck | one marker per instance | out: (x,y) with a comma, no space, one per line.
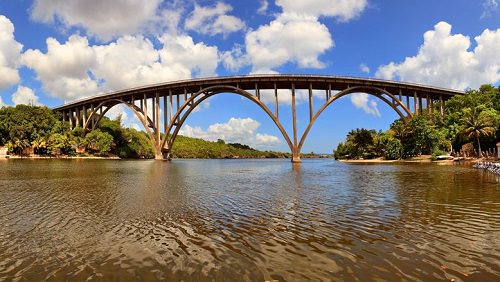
(282,81)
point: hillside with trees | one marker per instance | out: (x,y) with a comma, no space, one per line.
(34,130)
(470,126)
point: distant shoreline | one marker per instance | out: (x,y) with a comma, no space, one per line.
(35,157)
(420,159)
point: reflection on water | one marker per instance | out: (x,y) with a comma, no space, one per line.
(247,220)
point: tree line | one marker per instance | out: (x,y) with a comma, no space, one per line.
(469,126)
(28,130)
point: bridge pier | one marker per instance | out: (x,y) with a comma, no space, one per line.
(295,155)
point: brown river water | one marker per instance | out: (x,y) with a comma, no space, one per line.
(247,220)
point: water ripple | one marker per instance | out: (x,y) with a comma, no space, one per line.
(230,220)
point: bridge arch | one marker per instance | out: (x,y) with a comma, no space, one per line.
(95,117)
(192,92)
(197,98)
(373,91)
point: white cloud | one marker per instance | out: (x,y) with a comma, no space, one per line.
(2,104)
(444,59)
(213,20)
(236,130)
(294,36)
(181,52)
(235,59)
(205,105)
(10,51)
(342,9)
(132,61)
(64,69)
(364,68)
(489,6)
(363,101)
(24,95)
(76,69)
(263,7)
(116,111)
(289,38)
(104,19)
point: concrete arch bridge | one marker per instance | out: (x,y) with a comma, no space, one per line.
(171,102)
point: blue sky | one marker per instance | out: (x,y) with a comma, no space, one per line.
(53,52)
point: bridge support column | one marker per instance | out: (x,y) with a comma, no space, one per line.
(159,156)
(296,155)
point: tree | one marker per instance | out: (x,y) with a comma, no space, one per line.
(478,122)
(99,141)
(39,145)
(61,144)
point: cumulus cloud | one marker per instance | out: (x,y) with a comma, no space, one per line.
(10,51)
(236,130)
(2,104)
(364,68)
(24,95)
(363,101)
(213,20)
(103,19)
(182,51)
(345,10)
(445,59)
(295,36)
(289,38)
(489,7)
(76,69)
(64,69)
(263,7)
(235,59)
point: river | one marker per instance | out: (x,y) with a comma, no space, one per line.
(247,220)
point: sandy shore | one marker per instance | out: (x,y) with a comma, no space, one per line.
(419,159)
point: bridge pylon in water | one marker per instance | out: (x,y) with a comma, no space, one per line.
(163,108)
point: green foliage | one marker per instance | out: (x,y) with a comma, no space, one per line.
(61,144)
(26,127)
(99,142)
(359,144)
(437,153)
(422,137)
(479,122)
(474,117)
(391,147)
(134,144)
(185,147)
(22,125)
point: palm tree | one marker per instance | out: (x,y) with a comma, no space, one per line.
(477,124)
(38,144)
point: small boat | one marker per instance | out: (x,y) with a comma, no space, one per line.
(444,157)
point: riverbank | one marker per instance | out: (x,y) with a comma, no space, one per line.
(306,156)
(419,159)
(59,157)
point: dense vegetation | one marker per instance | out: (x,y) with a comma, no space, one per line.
(186,147)
(470,126)
(27,130)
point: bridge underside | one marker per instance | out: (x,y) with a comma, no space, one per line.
(163,109)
